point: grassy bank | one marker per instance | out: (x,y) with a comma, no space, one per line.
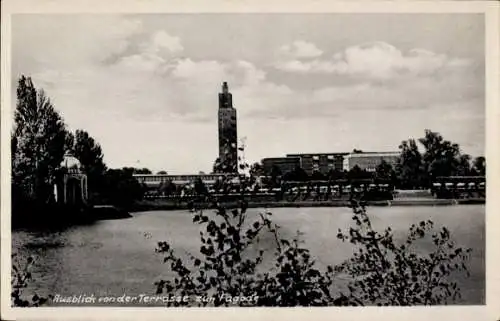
(45,216)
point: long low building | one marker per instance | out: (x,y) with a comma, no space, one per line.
(153,180)
(320,162)
(325,162)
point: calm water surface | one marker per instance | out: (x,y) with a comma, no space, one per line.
(117,256)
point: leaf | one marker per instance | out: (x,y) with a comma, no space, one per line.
(285,242)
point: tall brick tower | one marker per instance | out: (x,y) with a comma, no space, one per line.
(228,135)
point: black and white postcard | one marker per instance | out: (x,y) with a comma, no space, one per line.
(230,160)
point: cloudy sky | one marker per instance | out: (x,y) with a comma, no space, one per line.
(145,86)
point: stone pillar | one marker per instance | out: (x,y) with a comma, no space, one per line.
(82,188)
(86,191)
(65,181)
(56,196)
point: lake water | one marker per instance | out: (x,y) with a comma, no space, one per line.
(115,257)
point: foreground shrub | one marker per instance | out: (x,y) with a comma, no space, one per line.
(227,273)
(386,273)
(381,272)
(20,277)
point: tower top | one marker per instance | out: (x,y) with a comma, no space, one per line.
(225,97)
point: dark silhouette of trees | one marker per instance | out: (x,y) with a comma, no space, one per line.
(142,171)
(275,176)
(479,166)
(256,170)
(384,171)
(199,187)
(318,176)
(410,167)
(167,188)
(90,155)
(297,175)
(357,173)
(120,188)
(38,144)
(441,157)
(464,167)
(334,174)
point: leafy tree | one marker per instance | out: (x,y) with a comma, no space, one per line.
(441,157)
(410,167)
(134,170)
(357,173)
(168,188)
(297,175)
(384,171)
(318,176)
(479,166)
(256,170)
(69,146)
(121,188)
(217,168)
(142,171)
(275,176)
(38,143)
(464,167)
(199,187)
(334,174)
(162,173)
(90,155)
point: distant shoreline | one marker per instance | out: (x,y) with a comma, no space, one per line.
(163,205)
(68,216)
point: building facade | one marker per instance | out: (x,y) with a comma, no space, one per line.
(369,160)
(320,162)
(228,134)
(285,164)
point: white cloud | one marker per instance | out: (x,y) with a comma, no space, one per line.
(161,43)
(376,60)
(301,49)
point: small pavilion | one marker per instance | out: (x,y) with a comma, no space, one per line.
(71,182)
